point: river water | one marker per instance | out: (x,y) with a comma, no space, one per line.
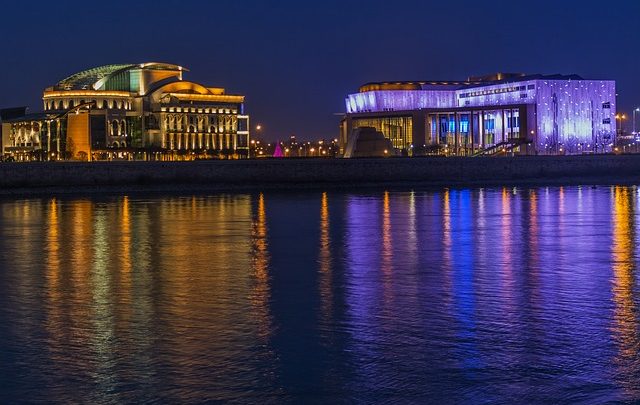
(456,296)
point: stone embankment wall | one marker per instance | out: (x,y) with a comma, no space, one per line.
(287,173)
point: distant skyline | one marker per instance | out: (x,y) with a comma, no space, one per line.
(296,61)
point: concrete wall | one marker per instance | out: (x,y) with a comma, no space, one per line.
(321,172)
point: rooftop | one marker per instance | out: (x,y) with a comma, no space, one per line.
(475,81)
(94,78)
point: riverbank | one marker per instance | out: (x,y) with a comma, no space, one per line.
(19,178)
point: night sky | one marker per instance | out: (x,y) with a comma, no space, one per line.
(296,60)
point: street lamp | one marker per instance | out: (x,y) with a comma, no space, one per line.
(254,143)
(619,118)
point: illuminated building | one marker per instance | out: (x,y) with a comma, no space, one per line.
(132,108)
(532,114)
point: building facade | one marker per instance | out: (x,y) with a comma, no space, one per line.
(128,109)
(532,114)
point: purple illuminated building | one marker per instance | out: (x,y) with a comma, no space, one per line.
(502,113)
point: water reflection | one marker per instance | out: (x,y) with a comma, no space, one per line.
(626,333)
(325,261)
(456,295)
(260,293)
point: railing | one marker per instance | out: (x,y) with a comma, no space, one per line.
(506,146)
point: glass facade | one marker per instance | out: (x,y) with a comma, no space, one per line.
(512,118)
(127,80)
(468,132)
(399,130)
(450,129)
(134,80)
(119,81)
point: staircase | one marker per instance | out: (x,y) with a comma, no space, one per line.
(502,147)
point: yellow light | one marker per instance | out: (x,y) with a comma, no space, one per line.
(208,97)
(386,151)
(258,127)
(97,93)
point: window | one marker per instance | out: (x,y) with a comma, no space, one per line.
(531,86)
(606,105)
(606,121)
(490,124)
(464,123)
(243,124)
(523,95)
(444,125)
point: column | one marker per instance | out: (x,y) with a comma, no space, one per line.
(504,125)
(48,140)
(58,138)
(456,133)
(481,128)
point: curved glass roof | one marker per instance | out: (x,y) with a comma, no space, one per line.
(87,78)
(92,79)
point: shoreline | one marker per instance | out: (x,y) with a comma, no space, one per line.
(194,189)
(39,178)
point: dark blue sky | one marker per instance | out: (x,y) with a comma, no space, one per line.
(296,60)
